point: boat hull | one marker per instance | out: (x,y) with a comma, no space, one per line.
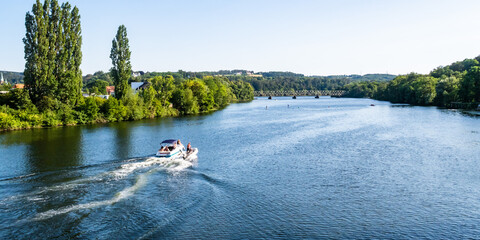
(191,156)
(168,155)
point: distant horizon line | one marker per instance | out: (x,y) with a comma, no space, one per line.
(254,72)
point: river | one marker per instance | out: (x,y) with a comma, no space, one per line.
(273,169)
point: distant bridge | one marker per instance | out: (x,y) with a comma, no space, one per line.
(334,93)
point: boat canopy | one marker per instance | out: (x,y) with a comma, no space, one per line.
(169,141)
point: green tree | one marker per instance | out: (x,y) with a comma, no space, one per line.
(185,101)
(424,89)
(99,85)
(134,106)
(122,68)
(39,79)
(222,96)
(361,89)
(470,85)
(242,90)
(219,88)
(201,93)
(164,87)
(53,52)
(150,105)
(411,88)
(19,99)
(114,110)
(90,108)
(69,57)
(447,90)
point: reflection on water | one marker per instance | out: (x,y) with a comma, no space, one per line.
(55,148)
(122,140)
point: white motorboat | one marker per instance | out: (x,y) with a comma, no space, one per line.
(170,149)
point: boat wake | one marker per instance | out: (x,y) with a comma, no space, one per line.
(125,193)
(170,165)
(142,168)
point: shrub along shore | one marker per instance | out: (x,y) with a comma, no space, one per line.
(164,97)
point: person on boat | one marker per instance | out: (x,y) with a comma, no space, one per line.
(180,145)
(189,148)
(164,149)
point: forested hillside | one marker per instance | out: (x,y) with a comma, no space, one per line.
(261,81)
(457,82)
(12,77)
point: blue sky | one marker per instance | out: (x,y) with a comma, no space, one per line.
(303,36)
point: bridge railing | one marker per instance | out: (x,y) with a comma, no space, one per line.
(336,93)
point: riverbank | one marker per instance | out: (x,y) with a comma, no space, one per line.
(12,120)
(163,98)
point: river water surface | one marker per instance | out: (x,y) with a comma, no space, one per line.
(284,168)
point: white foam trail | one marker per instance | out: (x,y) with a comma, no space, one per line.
(168,163)
(124,170)
(125,193)
(171,165)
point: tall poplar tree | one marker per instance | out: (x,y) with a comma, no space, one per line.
(70,56)
(122,68)
(39,79)
(63,51)
(76,56)
(53,52)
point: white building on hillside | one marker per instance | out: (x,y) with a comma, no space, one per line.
(2,81)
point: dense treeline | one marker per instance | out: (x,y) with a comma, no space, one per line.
(164,97)
(287,81)
(458,82)
(295,83)
(268,81)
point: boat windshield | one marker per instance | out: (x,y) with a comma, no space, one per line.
(169,141)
